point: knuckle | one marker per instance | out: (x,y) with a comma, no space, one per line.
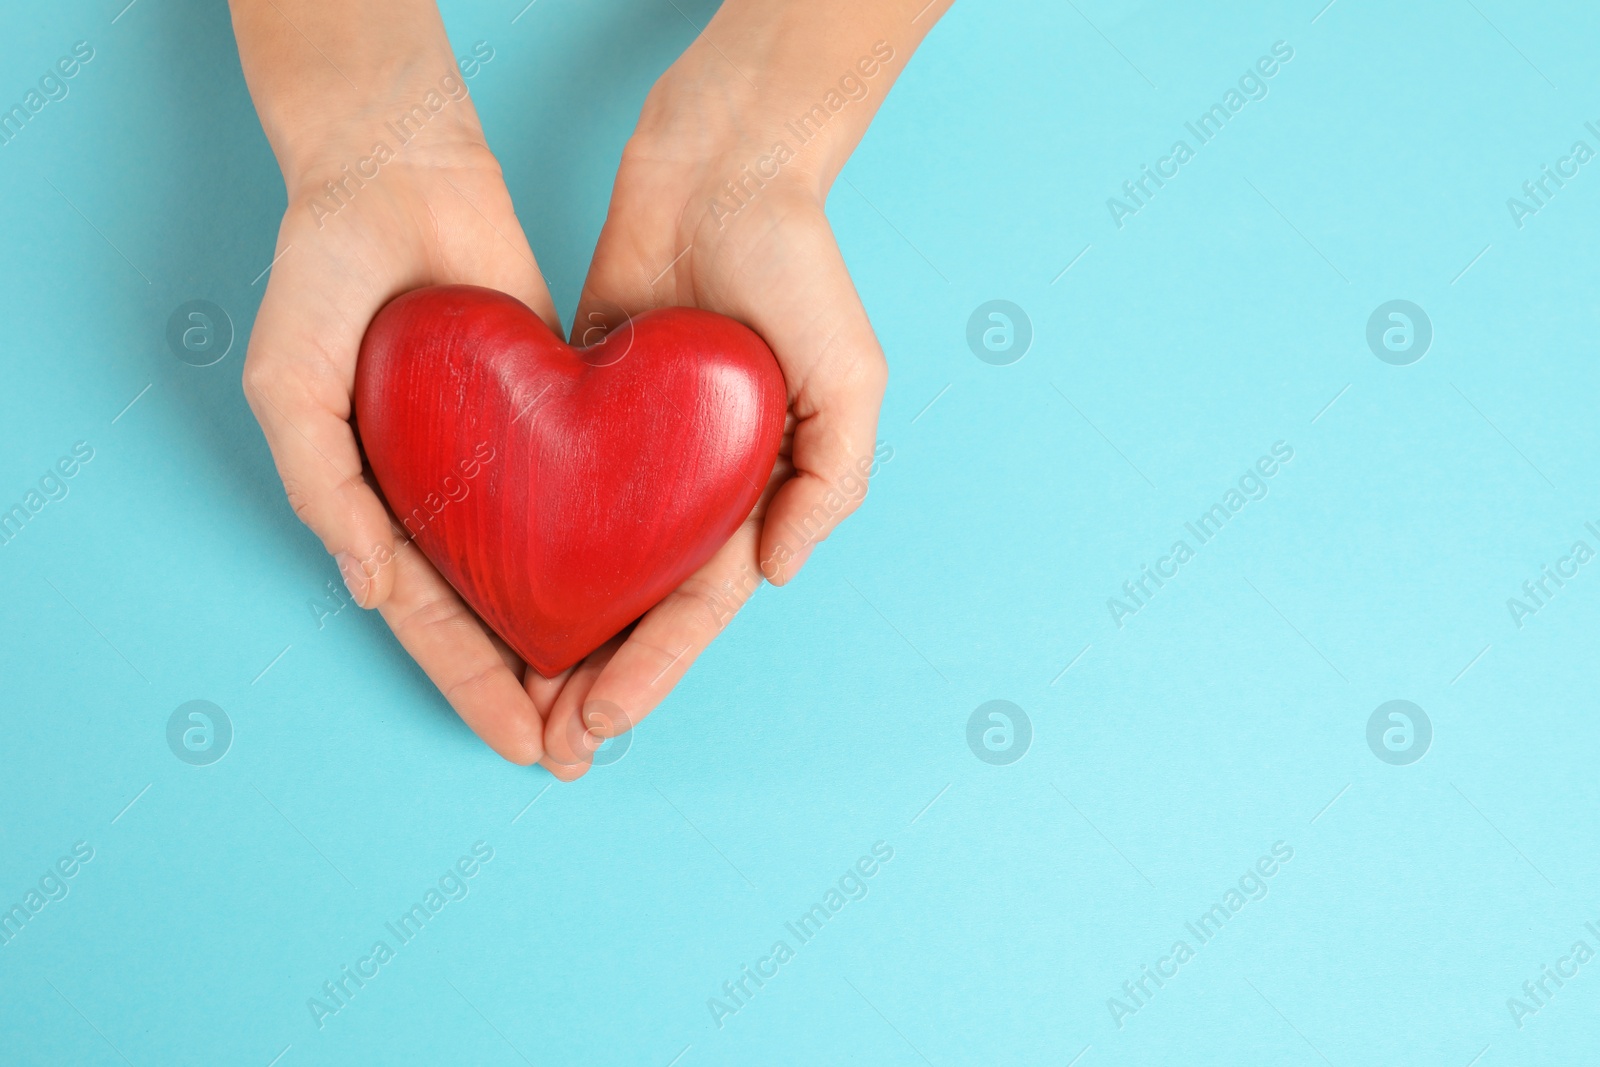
(432,614)
(701,598)
(848,508)
(260,378)
(699,636)
(866,373)
(874,371)
(300,501)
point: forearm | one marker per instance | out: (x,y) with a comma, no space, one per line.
(816,71)
(326,76)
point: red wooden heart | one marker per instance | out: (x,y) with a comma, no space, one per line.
(564,491)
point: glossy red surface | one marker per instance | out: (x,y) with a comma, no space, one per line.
(564,491)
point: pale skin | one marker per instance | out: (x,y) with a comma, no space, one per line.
(327,75)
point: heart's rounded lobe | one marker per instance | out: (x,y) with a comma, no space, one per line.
(563,491)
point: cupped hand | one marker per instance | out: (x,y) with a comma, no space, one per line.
(435,212)
(705,214)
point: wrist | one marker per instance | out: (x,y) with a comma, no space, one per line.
(760,92)
(426,120)
(798,80)
(333,82)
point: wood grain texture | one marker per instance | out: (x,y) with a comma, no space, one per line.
(562,491)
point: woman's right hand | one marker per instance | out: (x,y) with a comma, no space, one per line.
(429,210)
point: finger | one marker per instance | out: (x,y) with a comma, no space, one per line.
(665,643)
(544,691)
(569,746)
(460,656)
(580,719)
(302,401)
(836,375)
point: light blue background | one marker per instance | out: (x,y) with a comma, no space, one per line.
(1224,717)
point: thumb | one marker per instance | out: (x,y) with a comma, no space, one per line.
(635,269)
(817,327)
(304,413)
(503,261)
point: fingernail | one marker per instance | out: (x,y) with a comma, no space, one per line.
(354,580)
(799,561)
(602,715)
(578,739)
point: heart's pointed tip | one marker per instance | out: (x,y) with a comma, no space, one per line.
(549,672)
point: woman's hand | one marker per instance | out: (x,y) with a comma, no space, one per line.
(719,205)
(391,187)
